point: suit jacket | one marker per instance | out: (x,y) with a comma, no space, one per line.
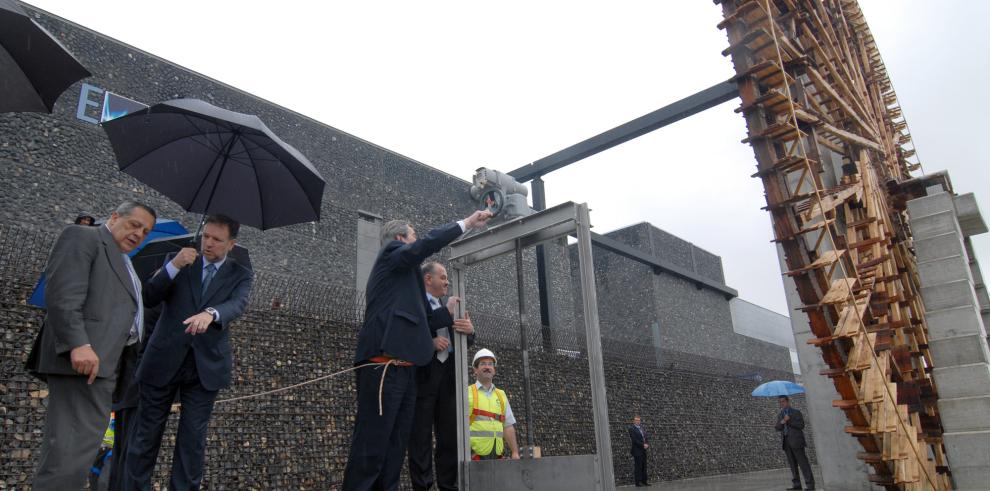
(183,297)
(439,319)
(795,429)
(395,320)
(638,440)
(91,299)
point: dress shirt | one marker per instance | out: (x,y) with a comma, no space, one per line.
(172,271)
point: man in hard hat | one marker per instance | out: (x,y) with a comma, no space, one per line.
(489,413)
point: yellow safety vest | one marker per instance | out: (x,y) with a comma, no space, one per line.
(487,419)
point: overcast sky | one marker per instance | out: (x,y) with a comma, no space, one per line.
(458,85)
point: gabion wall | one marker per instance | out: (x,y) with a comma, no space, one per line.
(698,410)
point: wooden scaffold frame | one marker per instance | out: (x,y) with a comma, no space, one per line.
(829,137)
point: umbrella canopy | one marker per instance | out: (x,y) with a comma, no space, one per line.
(775,388)
(211,160)
(34,67)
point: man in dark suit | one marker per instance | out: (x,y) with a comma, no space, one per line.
(790,423)
(94,311)
(436,401)
(396,331)
(188,354)
(640,442)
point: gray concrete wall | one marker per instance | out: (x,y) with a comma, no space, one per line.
(757,322)
(955,301)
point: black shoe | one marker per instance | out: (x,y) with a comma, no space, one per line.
(812,488)
(795,488)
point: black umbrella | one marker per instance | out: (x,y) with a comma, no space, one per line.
(34,67)
(214,161)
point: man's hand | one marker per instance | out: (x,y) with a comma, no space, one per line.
(452,302)
(440,343)
(478,219)
(787,417)
(198,323)
(464,326)
(85,361)
(185,257)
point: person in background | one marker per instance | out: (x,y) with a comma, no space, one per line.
(790,424)
(640,443)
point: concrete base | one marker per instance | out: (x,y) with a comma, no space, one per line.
(950,323)
(963,381)
(964,413)
(949,295)
(939,246)
(960,350)
(549,473)
(944,270)
(969,459)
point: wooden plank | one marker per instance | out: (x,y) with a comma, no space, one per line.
(840,291)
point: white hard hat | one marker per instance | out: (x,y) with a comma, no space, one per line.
(484,353)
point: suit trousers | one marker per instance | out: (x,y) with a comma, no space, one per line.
(378,445)
(124,412)
(639,467)
(78,416)
(436,411)
(797,458)
(148,426)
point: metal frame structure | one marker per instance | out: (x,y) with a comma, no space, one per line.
(512,237)
(669,114)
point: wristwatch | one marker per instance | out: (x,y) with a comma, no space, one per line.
(212,311)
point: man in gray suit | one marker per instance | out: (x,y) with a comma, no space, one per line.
(94,311)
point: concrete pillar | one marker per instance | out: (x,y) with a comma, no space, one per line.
(956,304)
(835,449)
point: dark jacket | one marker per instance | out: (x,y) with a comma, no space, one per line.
(395,318)
(795,429)
(183,297)
(91,299)
(439,319)
(638,440)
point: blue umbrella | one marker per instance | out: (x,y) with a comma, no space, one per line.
(775,388)
(163,228)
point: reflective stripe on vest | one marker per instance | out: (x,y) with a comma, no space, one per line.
(487,416)
(487,434)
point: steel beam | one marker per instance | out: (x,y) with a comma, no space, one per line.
(457,284)
(596,367)
(502,239)
(640,126)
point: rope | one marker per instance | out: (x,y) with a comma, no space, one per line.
(307,382)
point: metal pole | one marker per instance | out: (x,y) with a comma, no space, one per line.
(543,271)
(461,379)
(524,344)
(599,402)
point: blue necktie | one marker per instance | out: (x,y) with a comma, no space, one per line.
(211,269)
